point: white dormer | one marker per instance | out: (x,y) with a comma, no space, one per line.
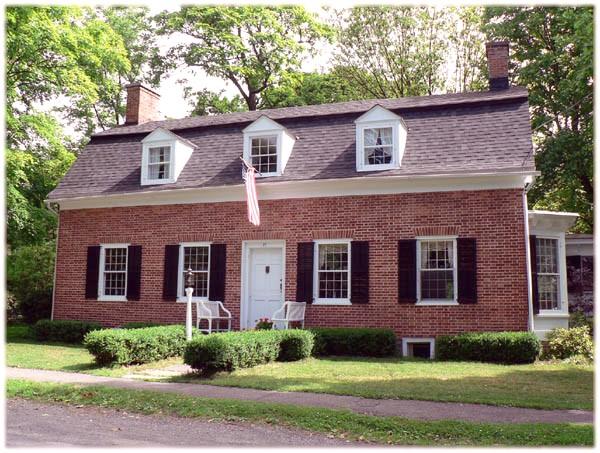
(267,146)
(380,140)
(164,155)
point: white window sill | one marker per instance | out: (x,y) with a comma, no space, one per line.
(433,302)
(552,314)
(378,167)
(183,299)
(112,299)
(266,175)
(332,302)
(149,182)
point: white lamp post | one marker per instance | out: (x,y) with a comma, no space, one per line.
(189,289)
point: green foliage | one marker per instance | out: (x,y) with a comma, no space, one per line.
(206,102)
(579,319)
(361,341)
(63,331)
(135,346)
(552,55)
(250,46)
(139,325)
(234,350)
(566,343)
(18,332)
(30,275)
(264,324)
(493,347)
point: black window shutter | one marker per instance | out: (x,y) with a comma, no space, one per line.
(467,270)
(170,273)
(92,272)
(359,269)
(534,276)
(407,271)
(134,272)
(218,261)
(304,278)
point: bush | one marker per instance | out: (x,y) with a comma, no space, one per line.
(565,343)
(354,341)
(135,346)
(578,319)
(234,350)
(494,347)
(29,277)
(139,325)
(295,345)
(64,331)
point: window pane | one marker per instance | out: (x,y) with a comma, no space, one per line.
(161,154)
(437,254)
(115,259)
(333,257)
(548,292)
(378,146)
(264,154)
(195,258)
(115,267)
(437,284)
(200,284)
(333,271)
(158,171)
(333,285)
(547,261)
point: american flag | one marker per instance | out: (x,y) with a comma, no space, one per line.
(251,198)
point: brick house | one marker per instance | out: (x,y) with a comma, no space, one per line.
(404,213)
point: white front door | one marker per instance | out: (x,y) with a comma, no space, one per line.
(265,284)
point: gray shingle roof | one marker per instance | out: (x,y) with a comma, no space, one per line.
(470,132)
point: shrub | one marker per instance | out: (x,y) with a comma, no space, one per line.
(494,347)
(139,325)
(295,345)
(264,324)
(64,331)
(565,343)
(135,346)
(234,350)
(578,319)
(29,277)
(354,341)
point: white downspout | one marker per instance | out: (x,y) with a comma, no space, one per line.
(528,257)
(55,212)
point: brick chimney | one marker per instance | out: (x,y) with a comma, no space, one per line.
(142,104)
(497,58)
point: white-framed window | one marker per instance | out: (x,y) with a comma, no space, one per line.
(418,347)
(195,256)
(332,272)
(436,271)
(548,273)
(112,281)
(159,163)
(380,140)
(264,155)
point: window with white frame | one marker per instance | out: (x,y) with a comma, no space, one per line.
(378,145)
(263,153)
(436,258)
(332,282)
(197,258)
(159,163)
(113,272)
(548,273)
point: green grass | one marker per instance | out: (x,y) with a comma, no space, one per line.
(339,423)
(542,385)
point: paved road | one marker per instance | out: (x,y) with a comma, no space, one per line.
(422,410)
(33,424)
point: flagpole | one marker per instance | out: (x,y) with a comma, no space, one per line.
(250,166)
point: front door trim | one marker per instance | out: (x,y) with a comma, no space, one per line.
(247,246)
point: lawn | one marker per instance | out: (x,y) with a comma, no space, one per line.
(540,385)
(338,423)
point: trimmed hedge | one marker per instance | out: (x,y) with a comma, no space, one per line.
(139,325)
(494,347)
(234,350)
(135,346)
(361,341)
(64,331)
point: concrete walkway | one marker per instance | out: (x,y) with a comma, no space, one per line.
(422,410)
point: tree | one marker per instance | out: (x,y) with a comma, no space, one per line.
(552,54)
(206,102)
(249,46)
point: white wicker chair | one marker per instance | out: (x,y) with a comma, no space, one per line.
(289,312)
(212,311)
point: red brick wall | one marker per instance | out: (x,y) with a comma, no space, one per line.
(494,218)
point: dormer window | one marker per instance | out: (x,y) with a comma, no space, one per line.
(268,146)
(164,155)
(159,163)
(380,140)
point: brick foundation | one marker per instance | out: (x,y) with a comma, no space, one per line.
(495,218)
